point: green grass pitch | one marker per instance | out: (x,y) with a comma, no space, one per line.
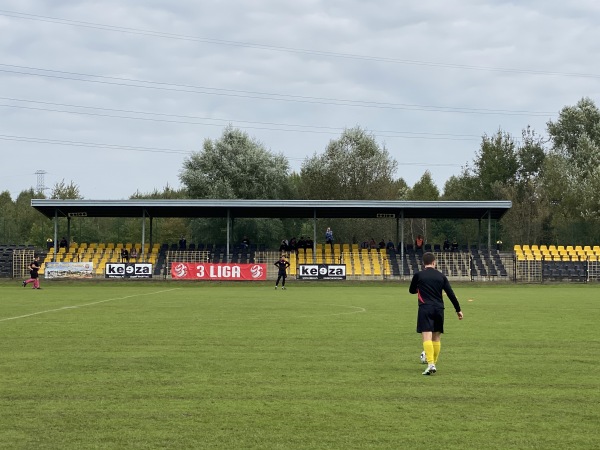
(142,365)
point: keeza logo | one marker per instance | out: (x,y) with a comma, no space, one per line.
(138,270)
(322,271)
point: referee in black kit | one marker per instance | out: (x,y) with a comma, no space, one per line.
(428,284)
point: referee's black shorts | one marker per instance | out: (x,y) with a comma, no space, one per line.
(430,318)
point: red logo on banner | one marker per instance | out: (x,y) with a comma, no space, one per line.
(207,271)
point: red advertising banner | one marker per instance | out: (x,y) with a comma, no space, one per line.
(208,271)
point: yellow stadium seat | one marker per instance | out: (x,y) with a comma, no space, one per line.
(517,248)
(534,248)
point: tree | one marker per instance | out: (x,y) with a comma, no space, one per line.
(503,169)
(8,223)
(495,164)
(236,166)
(65,191)
(571,172)
(353,167)
(526,220)
(424,189)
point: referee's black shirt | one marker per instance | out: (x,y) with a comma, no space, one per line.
(428,284)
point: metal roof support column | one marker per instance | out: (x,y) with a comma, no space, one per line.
(489,214)
(151,236)
(314,231)
(55,233)
(68,233)
(228,232)
(479,234)
(402,244)
(143,233)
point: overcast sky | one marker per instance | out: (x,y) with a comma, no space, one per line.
(114,95)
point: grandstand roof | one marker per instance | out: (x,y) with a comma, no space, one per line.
(272,208)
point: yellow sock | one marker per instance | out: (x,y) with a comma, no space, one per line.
(428,347)
(436,350)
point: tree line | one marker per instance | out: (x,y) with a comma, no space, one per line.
(553,182)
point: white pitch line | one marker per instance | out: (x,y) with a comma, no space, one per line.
(84,304)
(359,309)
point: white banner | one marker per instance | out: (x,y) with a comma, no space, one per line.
(69,270)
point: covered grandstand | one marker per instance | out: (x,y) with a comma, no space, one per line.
(361,263)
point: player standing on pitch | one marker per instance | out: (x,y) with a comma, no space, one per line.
(428,284)
(282,265)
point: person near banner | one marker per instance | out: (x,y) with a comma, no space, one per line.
(282,265)
(34,268)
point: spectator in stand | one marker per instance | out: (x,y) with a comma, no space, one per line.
(124,255)
(390,245)
(134,253)
(182,243)
(329,237)
(364,244)
(446,245)
(309,243)
(284,247)
(63,243)
(419,242)
(246,242)
(49,243)
(293,245)
(372,243)
(454,245)
(498,245)
(382,244)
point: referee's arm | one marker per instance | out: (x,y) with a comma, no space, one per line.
(452,296)
(413,288)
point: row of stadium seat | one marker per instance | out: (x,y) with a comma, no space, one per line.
(100,254)
(557,253)
(364,262)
